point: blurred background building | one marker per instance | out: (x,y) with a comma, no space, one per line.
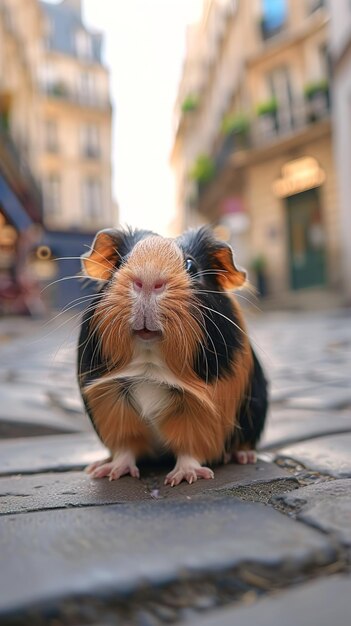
(56,115)
(253,142)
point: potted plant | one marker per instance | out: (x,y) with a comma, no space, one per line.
(258,266)
(317,96)
(235,128)
(202,171)
(267,111)
(190,103)
(59,89)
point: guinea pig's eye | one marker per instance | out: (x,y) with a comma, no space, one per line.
(191,266)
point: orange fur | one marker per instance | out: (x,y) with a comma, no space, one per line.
(118,425)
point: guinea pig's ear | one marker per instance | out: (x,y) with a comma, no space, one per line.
(230,276)
(100,261)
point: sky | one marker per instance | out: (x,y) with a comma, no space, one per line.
(144,49)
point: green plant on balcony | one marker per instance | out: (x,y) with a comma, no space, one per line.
(318,99)
(235,124)
(235,128)
(268,107)
(59,89)
(203,169)
(267,112)
(190,103)
(316,88)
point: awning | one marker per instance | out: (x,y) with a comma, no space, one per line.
(14,210)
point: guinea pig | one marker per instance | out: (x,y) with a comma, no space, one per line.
(164,359)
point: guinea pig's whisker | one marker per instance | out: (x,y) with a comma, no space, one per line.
(211,340)
(220,332)
(59,280)
(194,330)
(99,343)
(235,293)
(225,317)
(102,256)
(240,295)
(208,273)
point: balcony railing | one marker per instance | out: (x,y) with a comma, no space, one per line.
(62,91)
(273,127)
(91,152)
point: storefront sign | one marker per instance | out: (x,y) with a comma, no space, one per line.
(297,176)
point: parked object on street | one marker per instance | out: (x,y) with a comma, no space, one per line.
(164,359)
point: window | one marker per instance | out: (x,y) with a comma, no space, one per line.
(87,88)
(84,46)
(51,136)
(279,83)
(47,76)
(92,204)
(90,141)
(274,13)
(52,194)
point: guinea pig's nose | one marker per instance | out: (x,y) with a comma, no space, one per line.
(157,286)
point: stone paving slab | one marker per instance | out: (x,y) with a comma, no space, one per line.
(19,494)
(330,455)
(295,387)
(110,550)
(71,403)
(285,426)
(25,412)
(325,505)
(46,454)
(319,603)
(325,399)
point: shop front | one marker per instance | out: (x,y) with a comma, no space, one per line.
(300,189)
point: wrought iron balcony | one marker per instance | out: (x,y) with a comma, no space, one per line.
(274,127)
(62,91)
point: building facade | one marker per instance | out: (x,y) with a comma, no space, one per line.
(59,113)
(73,149)
(340,47)
(74,144)
(254,155)
(21,206)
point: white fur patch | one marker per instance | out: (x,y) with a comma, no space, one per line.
(151,390)
(151,398)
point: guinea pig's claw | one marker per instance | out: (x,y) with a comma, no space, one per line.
(122,464)
(189,470)
(93,466)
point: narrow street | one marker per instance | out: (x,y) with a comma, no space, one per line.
(84,551)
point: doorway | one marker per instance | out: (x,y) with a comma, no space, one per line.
(306,238)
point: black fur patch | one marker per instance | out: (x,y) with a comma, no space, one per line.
(254,408)
(215,313)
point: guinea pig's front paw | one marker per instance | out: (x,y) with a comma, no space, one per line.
(189,469)
(122,463)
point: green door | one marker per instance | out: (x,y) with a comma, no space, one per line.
(306,240)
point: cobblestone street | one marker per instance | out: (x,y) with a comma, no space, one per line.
(260,544)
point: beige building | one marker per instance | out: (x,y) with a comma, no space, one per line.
(56,116)
(20,195)
(340,47)
(74,142)
(253,151)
